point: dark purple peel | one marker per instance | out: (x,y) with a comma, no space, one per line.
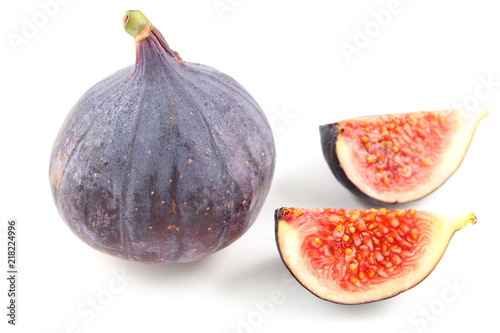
(329,134)
(162,161)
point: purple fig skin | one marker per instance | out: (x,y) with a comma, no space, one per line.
(162,161)
(329,134)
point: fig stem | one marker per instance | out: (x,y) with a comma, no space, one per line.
(137,24)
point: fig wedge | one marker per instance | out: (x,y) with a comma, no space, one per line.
(364,255)
(398,158)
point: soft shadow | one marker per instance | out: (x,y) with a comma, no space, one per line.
(311,186)
(258,284)
(255,282)
(162,273)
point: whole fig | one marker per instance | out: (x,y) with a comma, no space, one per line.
(164,160)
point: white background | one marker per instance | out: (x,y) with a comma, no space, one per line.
(425,55)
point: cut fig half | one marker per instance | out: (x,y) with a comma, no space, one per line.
(398,158)
(365,255)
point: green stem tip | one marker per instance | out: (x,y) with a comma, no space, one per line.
(137,24)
